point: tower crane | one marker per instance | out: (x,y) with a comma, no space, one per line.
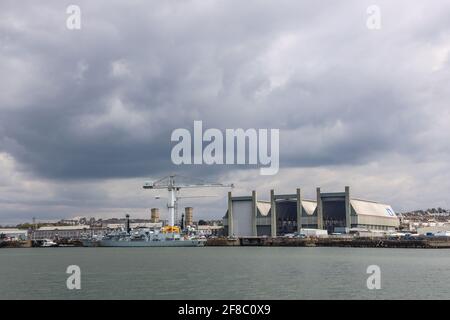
(173,184)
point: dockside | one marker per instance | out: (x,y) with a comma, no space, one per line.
(435,243)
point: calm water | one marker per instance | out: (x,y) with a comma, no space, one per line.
(224,273)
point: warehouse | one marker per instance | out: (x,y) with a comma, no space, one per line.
(339,212)
(335,212)
(252,216)
(288,209)
(62,232)
(13,234)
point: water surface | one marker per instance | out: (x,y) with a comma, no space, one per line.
(224,273)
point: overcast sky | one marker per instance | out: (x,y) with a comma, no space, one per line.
(86,115)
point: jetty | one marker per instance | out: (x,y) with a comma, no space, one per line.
(355,242)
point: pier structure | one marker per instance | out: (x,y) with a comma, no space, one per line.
(335,241)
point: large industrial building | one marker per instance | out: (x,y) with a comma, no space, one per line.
(288,213)
(13,234)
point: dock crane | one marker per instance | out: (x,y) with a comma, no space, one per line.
(173,184)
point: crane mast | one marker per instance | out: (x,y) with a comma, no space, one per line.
(173,187)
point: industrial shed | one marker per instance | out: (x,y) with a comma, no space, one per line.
(288,213)
(337,211)
(263,218)
(309,214)
(373,215)
(247,216)
(252,217)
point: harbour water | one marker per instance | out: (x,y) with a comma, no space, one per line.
(224,273)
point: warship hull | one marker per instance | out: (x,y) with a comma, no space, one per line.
(166,243)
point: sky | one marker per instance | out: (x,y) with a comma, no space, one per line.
(86,115)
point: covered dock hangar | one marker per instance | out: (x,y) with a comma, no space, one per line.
(288,213)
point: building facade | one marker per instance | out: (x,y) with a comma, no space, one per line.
(289,213)
(13,234)
(66,232)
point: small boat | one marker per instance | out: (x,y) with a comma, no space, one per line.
(48,243)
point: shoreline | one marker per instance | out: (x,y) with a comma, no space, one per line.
(341,242)
(338,242)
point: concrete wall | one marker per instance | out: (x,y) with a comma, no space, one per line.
(242,218)
(309,222)
(264,230)
(374,220)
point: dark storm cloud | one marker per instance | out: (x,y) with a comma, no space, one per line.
(177,62)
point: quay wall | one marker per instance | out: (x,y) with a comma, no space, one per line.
(432,243)
(16,244)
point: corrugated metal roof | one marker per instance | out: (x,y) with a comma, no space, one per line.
(205,228)
(53,228)
(263,207)
(134,225)
(13,231)
(309,206)
(370,208)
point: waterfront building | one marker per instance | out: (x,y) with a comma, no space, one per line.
(13,234)
(135,225)
(66,232)
(434,229)
(208,230)
(68,222)
(247,216)
(289,213)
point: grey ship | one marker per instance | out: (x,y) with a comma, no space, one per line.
(169,236)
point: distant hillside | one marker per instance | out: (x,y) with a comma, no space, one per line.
(428,212)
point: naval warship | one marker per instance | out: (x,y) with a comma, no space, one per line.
(168,236)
